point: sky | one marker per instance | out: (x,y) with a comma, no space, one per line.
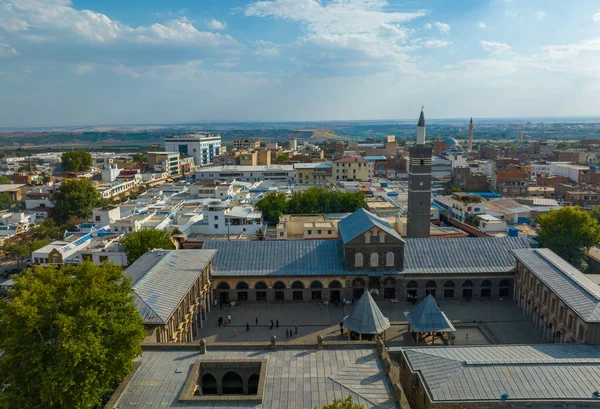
(101,62)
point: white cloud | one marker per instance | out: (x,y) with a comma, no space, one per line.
(84,68)
(6,50)
(443,27)
(216,24)
(436,43)
(540,15)
(427,26)
(557,52)
(494,47)
(596,17)
(266,48)
(482,25)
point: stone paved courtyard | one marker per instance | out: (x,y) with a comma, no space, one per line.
(502,318)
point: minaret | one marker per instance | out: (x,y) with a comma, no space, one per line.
(419,185)
(471,135)
(522,131)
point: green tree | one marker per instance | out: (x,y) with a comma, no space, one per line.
(273,205)
(28,167)
(140,157)
(76,161)
(75,198)
(595,213)
(5,200)
(282,158)
(562,145)
(455,190)
(138,243)
(4,180)
(69,336)
(347,403)
(569,232)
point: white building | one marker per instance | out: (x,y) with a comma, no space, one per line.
(202,146)
(283,173)
(111,190)
(219,218)
(39,198)
(490,224)
(212,190)
(66,251)
(484,167)
(103,216)
(567,170)
(110,172)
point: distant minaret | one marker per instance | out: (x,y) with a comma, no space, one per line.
(471,135)
(419,185)
(522,131)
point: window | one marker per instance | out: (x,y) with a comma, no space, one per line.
(382,237)
(580,332)
(553,305)
(422,162)
(561,312)
(374,259)
(97,218)
(358,260)
(280,234)
(216,217)
(310,232)
(368,237)
(389,259)
(103,258)
(328,231)
(318,231)
(216,226)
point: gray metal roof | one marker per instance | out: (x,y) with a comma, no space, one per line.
(296,379)
(366,317)
(427,317)
(576,290)
(359,222)
(475,255)
(277,258)
(162,278)
(550,372)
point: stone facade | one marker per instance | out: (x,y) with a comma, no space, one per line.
(419,191)
(374,250)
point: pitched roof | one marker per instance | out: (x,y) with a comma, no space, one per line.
(576,290)
(359,222)
(366,317)
(421,119)
(427,317)
(463,255)
(550,372)
(277,258)
(160,280)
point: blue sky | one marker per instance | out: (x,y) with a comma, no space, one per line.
(92,62)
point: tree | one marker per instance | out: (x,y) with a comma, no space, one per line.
(74,198)
(347,403)
(562,145)
(4,180)
(28,167)
(455,190)
(140,157)
(138,243)
(5,200)
(569,232)
(282,158)
(69,336)
(20,248)
(76,161)
(273,205)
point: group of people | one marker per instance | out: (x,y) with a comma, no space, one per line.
(412,298)
(289,333)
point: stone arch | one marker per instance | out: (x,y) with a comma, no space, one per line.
(253,384)
(298,285)
(367,237)
(389,259)
(316,284)
(374,260)
(242,285)
(430,284)
(223,286)
(412,285)
(449,287)
(358,260)
(279,285)
(335,284)
(449,284)
(486,284)
(232,384)
(382,237)
(467,289)
(209,384)
(467,284)
(389,282)
(260,285)
(504,289)
(504,284)
(486,289)
(358,282)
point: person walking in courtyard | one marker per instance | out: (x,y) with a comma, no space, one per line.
(235,333)
(291,333)
(271,324)
(295,330)
(257,321)
(287,334)
(229,319)
(341,327)
(247,327)
(276,323)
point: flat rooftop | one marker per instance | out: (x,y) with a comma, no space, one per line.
(296,379)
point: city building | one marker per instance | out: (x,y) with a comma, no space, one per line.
(419,185)
(467,180)
(172,292)
(313,173)
(283,173)
(350,168)
(212,190)
(164,162)
(202,146)
(377,166)
(248,158)
(471,135)
(14,191)
(511,181)
(246,144)
(306,227)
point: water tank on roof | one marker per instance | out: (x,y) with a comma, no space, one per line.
(513,232)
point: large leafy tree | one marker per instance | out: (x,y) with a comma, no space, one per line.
(569,232)
(76,161)
(75,198)
(139,242)
(69,336)
(273,205)
(347,403)
(4,180)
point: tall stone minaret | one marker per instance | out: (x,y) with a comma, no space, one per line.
(471,135)
(419,185)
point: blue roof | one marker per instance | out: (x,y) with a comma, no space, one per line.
(359,222)
(277,258)
(427,317)
(374,158)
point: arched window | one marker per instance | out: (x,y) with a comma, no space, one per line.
(298,284)
(486,289)
(504,284)
(382,237)
(389,259)
(368,237)
(260,285)
(430,285)
(335,284)
(486,284)
(316,284)
(241,286)
(209,385)
(233,384)
(374,259)
(279,285)
(223,286)
(358,282)
(253,384)
(449,284)
(389,282)
(412,285)
(358,260)
(467,284)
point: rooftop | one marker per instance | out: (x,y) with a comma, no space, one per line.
(240,168)
(546,373)
(351,159)
(359,222)
(366,317)
(10,187)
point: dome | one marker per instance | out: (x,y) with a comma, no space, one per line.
(450,142)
